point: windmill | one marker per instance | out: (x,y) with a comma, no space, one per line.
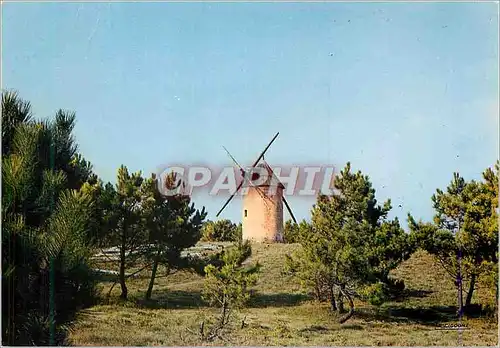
(262,218)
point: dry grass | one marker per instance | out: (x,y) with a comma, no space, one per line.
(279,314)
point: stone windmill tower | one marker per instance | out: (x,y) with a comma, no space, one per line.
(262,215)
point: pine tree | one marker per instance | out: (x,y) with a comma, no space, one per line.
(292,231)
(173,225)
(464,233)
(227,286)
(103,218)
(351,245)
(46,272)
(128,232)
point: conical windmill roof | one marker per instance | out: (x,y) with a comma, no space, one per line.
(272,179)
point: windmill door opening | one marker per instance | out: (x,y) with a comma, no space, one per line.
(245,213)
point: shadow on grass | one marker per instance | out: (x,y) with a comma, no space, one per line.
(113,278)
(276,300)
(322,329)
(314,328)
(105,277)
(411,293)
(171,299)
(181,299)
(352,327)
(427,316)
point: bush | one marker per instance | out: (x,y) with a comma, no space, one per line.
(394,287)
(292,231)
(375,294)
(227,284)
(221,231)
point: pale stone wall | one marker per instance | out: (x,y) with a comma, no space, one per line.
(263,220)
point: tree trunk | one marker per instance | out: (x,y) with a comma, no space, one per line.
(472,285)
(333,305)
(123,285)
(351,307)
(153,275)
(460,287)
(340,300)
(317,291)
(496,292)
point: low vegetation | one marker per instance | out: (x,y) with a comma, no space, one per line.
(227,288)
(279,312)
(221,231)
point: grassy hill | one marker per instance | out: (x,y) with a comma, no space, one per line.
(280,314)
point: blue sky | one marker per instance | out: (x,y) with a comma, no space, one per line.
(408,92)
